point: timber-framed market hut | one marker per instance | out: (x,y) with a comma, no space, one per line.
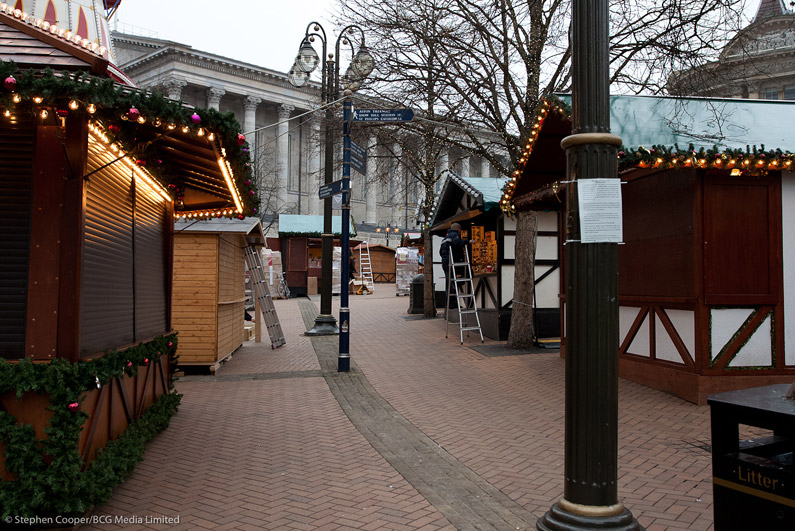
(706,289)
(92,175)
(474,202)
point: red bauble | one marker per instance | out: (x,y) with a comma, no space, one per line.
(195,118)
(241,139)
(10,84)
(241,216)
(133,113)
(114,128)
(74,406)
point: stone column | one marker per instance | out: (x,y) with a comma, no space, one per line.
(315,177)
(465,167)
(174,87)
(249,124)
(214,98)
(371,209)
(283,155)
(485,167)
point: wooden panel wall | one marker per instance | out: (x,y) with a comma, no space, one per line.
(231,293)
(195,296)
(741,240)
(382,261)
(659,259)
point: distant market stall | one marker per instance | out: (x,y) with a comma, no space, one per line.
(300,244)
(706,288)
(382,260)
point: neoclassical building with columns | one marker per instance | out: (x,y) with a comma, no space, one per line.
(283,126)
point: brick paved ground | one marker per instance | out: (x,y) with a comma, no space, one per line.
(266,444)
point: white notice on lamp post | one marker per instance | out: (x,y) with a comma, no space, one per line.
(600,210)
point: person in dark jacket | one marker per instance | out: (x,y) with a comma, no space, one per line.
(451,242)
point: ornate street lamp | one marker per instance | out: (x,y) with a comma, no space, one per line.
(386,228)
(361,66)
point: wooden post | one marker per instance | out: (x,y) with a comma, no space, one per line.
(258,317)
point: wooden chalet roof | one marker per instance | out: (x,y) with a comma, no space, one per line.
(465,197)
(661,131)
(32,46)
(250,226)
(294,224)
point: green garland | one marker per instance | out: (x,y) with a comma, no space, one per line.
(50,479)
(113,103)
(751,161)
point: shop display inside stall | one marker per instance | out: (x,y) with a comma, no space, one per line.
(484,251)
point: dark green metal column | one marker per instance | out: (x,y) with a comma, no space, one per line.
(325,323)
(590,499)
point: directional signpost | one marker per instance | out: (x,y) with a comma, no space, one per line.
(383,115)
(353,156)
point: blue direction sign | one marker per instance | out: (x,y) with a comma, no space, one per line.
(358,158)
(327,190)
(383,115)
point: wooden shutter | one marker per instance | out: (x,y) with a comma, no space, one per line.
(16,166)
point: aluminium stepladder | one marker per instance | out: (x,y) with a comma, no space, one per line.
(263,296)
(366,267)
(460,285)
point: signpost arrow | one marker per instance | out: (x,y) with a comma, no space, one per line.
(327,190)
(383,115)
(358,158)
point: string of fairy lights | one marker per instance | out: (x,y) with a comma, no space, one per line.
(109,124)
(751,161)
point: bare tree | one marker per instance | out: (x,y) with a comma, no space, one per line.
(479,70)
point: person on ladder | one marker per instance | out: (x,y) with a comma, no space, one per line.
(452,241)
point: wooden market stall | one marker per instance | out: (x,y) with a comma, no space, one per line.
(706,288)
(300,245)
(382,259)
(473,202)
(208,303)
(91,174)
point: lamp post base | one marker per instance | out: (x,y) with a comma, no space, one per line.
(325,325)
(560,519)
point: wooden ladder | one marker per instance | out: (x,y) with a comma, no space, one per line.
(366,267)
(263,296)
(460,285)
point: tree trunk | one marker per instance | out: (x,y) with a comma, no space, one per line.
(522,333)
(429,297)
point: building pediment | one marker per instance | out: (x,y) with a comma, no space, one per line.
(769,36)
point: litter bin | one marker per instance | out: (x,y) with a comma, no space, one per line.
(416,302)
(753,480)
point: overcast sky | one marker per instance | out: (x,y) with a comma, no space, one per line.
(262,32)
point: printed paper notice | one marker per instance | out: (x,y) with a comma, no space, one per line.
(600,210)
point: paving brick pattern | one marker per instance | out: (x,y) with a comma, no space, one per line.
(265,444)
